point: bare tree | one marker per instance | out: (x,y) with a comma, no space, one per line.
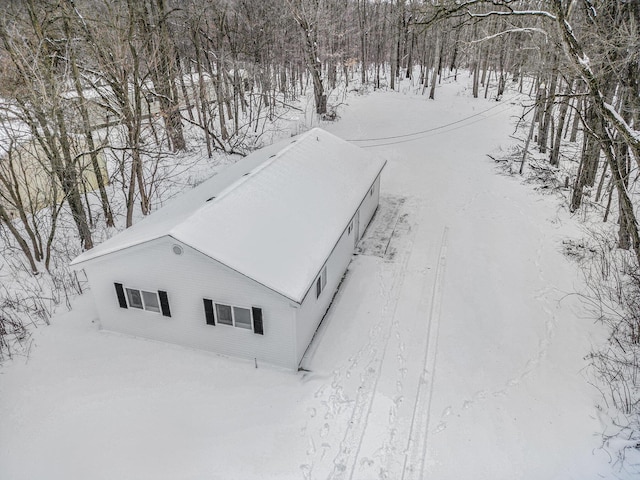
(36,57)
(307,15)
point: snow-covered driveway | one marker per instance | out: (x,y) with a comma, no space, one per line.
(450,356)
(473,366)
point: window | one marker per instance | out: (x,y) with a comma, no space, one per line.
(321,282)
(242,317)
(135,300)
(350,229)
(224,314)
(371,191)
(143,300)
(157,302)
(231,315)
(248,318)
(151,302)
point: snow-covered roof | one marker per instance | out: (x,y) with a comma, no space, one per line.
(274,216)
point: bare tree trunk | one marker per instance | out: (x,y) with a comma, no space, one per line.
(88,135)
(486,85)
(577,112)
(183,87)
(218,79)
(626,207)
(555,153)
(68,177)
(398,41)
(6,220)
(303,17)
(162,66)
(526,144)
(436,66)
(202,91)
(548,107)
(624,228)
(12,174)
(541,95)
(501,80)
(588,167)
(476,73)
(410,46)
(362,17)
(485,64)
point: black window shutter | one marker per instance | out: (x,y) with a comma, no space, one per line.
(208,311)
(257,320)
(164,303)
(121,298)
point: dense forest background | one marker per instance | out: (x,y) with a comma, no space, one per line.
(97,94)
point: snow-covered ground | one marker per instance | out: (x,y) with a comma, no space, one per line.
(452,350)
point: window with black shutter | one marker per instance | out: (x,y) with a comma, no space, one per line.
(157,302)
(248,318)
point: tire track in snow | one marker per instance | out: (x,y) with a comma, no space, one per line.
(346,458)
(416,449)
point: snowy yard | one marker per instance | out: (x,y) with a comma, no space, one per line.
(451,351)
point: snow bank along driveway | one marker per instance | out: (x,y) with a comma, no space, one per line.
(447,354)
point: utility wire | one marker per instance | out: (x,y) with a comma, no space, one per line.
(430,129)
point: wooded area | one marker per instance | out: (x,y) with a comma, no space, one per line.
(135,81)
(127,76)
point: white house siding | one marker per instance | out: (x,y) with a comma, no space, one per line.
(368,206)
(187,279)
(313,309)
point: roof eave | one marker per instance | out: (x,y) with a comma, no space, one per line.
(77,261)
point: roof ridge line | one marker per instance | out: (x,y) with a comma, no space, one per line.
(244,178)
(239,181)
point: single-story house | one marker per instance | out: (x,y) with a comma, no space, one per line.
(246,263)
